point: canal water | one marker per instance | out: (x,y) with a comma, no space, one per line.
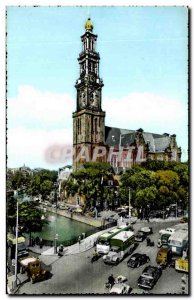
(65,228)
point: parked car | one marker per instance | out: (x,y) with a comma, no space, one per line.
(140,236)
(184,220)
(149,277)
(122,213)
(172,213)
(137,259)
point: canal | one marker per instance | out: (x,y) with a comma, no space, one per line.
(67,230)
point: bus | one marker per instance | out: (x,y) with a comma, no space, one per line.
(177,241)
(121,245)
(103,241)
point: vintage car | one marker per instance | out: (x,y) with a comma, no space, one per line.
(149,277)
(167,230)
(140,236)
(147,230)
(137,259)
(121,286)
(32,266)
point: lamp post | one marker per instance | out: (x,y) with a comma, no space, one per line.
(56,235)
(129,206)
(16,248)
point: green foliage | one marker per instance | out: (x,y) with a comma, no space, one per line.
(29,216)
(17,180)
(167,178)
(145,196)
(156,183)
(87,181)
(37,183)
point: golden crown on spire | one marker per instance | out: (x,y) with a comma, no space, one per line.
(88,25)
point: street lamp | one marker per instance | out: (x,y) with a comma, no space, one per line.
(129,206)
(16,248)
(56,235)
(16,234)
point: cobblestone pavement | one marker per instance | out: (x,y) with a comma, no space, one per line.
(75,274)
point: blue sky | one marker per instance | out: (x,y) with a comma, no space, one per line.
(143,65)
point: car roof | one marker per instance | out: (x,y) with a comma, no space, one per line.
(136,255)
(117,288)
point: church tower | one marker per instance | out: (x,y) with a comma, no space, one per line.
(88,119)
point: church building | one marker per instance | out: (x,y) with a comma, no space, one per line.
(92,140)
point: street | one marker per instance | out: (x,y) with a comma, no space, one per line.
(75,274)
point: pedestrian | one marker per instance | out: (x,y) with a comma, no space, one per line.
(79,239)
(41,243)
(111,280)
(37,240)
(148,241)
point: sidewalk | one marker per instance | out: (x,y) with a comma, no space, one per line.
(83,246)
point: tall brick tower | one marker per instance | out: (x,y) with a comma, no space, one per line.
(88,119)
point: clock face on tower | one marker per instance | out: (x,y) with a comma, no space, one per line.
(82,100)
(94,99)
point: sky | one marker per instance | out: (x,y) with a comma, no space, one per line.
(143,65)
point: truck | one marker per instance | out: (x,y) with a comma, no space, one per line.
(33,267)
(182,265)
(121,245)
(22,249)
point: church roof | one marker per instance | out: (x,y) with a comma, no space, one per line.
(125,137)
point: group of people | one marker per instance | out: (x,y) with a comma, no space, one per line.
(36,241)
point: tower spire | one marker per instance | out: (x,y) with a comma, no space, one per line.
(88,25)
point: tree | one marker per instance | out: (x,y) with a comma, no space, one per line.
(41,183)
(167,183)
(29,216)
(89,181)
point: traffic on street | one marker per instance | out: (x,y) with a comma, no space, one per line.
(139,270)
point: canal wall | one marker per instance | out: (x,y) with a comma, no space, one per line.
(76,217)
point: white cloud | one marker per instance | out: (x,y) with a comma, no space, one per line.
(37,109)
(152,113)
(36,121)
(149,111)
(31,147)
(39,120)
